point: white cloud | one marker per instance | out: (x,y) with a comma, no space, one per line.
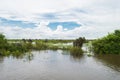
(98,17)
(44,32)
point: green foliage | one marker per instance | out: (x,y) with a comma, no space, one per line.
(76,51)
(107,45)
(54,41)
(79,42)
(9,48)
(40,45)
(3,42)
(19,47)
(53,47)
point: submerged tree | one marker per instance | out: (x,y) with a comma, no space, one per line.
(79,42)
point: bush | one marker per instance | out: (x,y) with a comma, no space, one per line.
(76,51)
(40,45)
(79,42)
(109,44)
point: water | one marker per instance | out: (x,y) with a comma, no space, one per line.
(59,65)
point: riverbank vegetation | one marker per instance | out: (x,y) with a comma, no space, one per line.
(109,44)
(10,48)
(18,47)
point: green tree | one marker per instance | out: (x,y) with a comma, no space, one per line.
(79,42)
(3,41)
(109,44)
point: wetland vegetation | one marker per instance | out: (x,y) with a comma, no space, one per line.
(17,47)
(109,44)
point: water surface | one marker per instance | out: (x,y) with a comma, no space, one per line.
(59,65)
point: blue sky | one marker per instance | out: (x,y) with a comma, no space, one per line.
(68,25)
(58,19)
(13,23)
(53,25)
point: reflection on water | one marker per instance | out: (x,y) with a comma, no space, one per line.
(59,65)
(76,58)
(111,60)
(1,59)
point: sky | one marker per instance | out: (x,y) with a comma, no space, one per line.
(58,19)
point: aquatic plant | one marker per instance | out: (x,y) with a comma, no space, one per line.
(76,51)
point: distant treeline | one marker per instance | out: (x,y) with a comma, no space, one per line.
(42,40)
(49,40)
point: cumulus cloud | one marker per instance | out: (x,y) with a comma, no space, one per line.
(97,17)
(44,32)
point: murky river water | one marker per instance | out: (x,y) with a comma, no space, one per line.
(59,65)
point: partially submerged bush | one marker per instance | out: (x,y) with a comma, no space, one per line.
(76,51)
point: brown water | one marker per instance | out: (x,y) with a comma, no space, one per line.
(59,65)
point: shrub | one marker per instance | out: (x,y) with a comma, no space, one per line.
(79,42)
(76,51)
(109,44)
